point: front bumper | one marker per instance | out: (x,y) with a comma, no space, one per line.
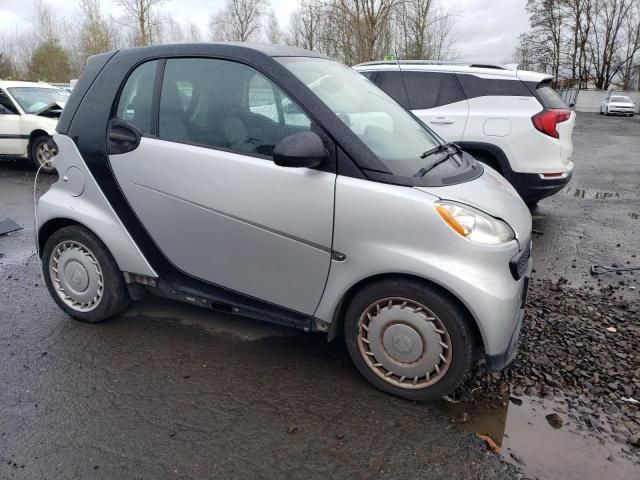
(500,360)
(622,110)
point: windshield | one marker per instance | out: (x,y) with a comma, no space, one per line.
(390,132)
(34,99)
(621,99)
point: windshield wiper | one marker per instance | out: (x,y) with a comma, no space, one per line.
(450,148)
(433,150)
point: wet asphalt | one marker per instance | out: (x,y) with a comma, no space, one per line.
(170,391)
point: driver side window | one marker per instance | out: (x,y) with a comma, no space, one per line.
(226,105)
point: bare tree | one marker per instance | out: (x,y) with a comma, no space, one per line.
(305,24)
(239,20)
(96,34)
(142,17)
(8,66)
(608,24)
(272,28)
(169,30)
(632,45)
(193,33)
(547,18)
(43,55)
(368,20)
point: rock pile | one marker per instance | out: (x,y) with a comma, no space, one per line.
(581,346)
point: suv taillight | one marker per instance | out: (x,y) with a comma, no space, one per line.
(546,120)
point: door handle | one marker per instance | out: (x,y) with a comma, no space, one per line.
(442,121)
(122,137)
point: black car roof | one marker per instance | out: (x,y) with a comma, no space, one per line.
(268,49)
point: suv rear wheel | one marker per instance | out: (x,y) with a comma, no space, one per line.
(41,151)
(82,276)
(408,339)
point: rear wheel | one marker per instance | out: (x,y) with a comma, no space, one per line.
(41,151)
(408,339)
(82,276)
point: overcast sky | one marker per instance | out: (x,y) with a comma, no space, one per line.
(487,30)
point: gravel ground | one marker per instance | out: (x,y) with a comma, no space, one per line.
(583,348)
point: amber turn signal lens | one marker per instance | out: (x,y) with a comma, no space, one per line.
(449,220)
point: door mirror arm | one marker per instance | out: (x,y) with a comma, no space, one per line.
(300,150)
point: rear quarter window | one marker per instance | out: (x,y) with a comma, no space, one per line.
(548,97)
(474,86)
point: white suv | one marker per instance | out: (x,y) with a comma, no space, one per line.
(28,116)
(510,120)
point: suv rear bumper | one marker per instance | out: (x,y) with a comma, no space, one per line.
(533,187)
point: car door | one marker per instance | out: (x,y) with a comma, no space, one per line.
(11,138)
(206,188)
(434,97)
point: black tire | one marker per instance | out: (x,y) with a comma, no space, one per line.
(114,297)
(452,315)
(39,148)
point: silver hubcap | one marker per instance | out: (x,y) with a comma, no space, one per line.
(404,343)
(76,276)
(44,152)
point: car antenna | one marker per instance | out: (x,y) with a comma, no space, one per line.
(404,85)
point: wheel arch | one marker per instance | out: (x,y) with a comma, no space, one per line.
(338,318)
(52,226)
(491,154)
(38,132)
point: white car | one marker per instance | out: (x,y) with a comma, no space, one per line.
(29,114)
(511,120)
(618,104)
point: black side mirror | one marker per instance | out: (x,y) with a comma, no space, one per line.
(300,150)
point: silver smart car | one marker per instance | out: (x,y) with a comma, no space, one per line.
(278,184)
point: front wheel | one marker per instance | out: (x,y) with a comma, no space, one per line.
(41,152)
(408,339)
(82,276)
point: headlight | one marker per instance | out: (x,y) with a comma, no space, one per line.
(474,225)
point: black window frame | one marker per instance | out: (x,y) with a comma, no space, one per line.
(14,110)
(329,166)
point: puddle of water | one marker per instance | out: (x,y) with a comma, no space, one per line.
(528,440)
